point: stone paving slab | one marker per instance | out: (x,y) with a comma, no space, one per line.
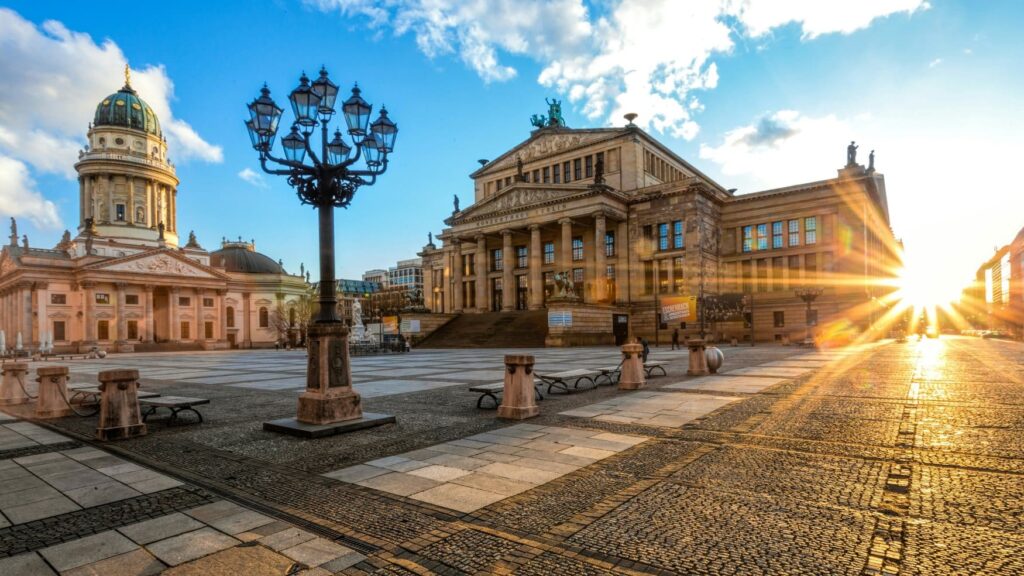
(775,371)
(663,409)
(726,383)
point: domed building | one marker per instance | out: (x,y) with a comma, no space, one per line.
(123,282)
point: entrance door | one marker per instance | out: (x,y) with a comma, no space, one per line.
(620,328)
(231,339)
(522,301)
(161,315)
(496,292)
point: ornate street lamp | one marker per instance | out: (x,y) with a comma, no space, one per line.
(809,294)
(325,179)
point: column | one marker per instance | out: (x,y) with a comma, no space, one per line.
(200,333)
(172,208)
(481,273)
(565,262)
(508,277)
(120,321)
(150,204)
(246,320)
(222,324)
(457,273)
(130,216)
(622,265)
(172,314)
(148,335)
(82,215)
(600,259)
(87,206)
(89,303)
(26,312)
(110,198)
(42,297)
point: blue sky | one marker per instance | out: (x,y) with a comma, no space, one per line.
(933,86)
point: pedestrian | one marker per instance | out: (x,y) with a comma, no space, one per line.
(675,338)
(647,349)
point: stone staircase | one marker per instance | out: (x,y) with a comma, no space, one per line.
(167,346)
(520,329)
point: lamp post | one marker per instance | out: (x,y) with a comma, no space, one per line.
(327,181)
(808,295)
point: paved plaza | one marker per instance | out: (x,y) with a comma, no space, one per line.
(890,459)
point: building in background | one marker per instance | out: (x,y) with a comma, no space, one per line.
(378,276)
(996,299)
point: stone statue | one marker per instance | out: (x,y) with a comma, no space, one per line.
(599,171)
(456,203)
(140,215)
(430,238)
(538,120)
(160,227)
(65,241)
(92,204)
(564,286)
(192,242)
(520,177)
(555,112)
(88,245)
(871,161)
(302,268)
(160,206)
(851,154)
(14,232)
(103,212)
(307,277)
(24,241)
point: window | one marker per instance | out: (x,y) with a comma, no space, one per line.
(609,272)
(663,277)
(609,243)
(777,265)
(103,330)
(811,266)
(677,234)
(207,302)
(663,236)
(131,299)
(565,171)
(794,270)
(648,234)
(811,230)
(549,252)
(577,169)
(746,275)
(577,277)
(522,257)
(59,335)
(547,175)
(58,298)
(748,238)
(589,162)
(794,232)
(762,275)
(119,211)
(133,329)
(777,234)
(812,317)
(186,333)
(577,249)
(556,174)
(677,275)
(102,298)
(291,317)
(780,318)
(208,330)
(184,301)
(468,264)
(230,316)
(264,318)
(762,236)
(648,277)
(497,263)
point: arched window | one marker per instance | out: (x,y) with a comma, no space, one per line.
(264,318)
(230,316)
(291,316)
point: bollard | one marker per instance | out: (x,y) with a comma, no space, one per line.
(715,358)
(119,405)
(11,391)
(53,392)
(632,375)
(698,357)
(518,402)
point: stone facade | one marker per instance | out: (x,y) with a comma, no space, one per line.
(123,281)
(631,222)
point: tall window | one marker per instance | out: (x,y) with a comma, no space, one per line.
(589,162)
(762,236)
(794,232)
(264,318)
(747,266)
(207,302)
(522,257)
(186,333)
(577,249)
(777,265)
(811,266)
(811,230)
(748,238)
(547,174)
(577,277)
(208,330)
(663,236)
(565,171)
(497,263)
(549,252)
(133,329)
(291,318)
(794,270)
(648,277)
(119,208)
(59,334)
(468,264)
(230,316)
(536,176)
(777,234)
(677,234)
(780,318)
(556,173)
(762,275)
(609,243)
(103,330)
(648,235)
(677,275)
(577,169)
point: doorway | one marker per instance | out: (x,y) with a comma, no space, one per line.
(620,328)
(522,299)
(496,294)
(161,315)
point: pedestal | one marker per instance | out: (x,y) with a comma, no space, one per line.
(329,405)
(632,376)
(698,358)
(11,391)
(119,405)
(53,392)
(519,400)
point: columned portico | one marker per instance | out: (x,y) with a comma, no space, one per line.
(481,273)
(536,274)
(148,334)
(457,288)
(600,258)
(565,246)
(508,286)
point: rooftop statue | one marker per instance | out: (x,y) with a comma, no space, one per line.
(14,232)
(851,154)
(554,117)
(456,202)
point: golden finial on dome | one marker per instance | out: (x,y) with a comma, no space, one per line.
(127,76)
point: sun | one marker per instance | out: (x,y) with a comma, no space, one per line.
(922,287)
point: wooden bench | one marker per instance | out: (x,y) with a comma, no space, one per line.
(492,391)
(175,404)
(561,380)
(650,367)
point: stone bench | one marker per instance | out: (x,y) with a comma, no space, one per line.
(609,373)
(175,404)
(493,391)
(90,394)
(560,380)
(650,367)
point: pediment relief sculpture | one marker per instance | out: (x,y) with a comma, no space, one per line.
(160,264)
(544,146)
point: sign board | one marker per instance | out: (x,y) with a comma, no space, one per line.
(679,308)
(559,318)
(410,326)
(391,324)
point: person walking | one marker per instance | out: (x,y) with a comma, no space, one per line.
(647,349)
(675,338)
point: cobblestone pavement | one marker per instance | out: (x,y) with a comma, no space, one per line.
(896,459)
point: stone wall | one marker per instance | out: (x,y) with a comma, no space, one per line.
(591,325)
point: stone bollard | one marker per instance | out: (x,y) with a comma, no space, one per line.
(120,416)
(632,375)
(698,357)
(53,392)
(715,358)
(519,401)
(11,391)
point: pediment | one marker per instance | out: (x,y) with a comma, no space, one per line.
(160,263)
(547,142)
(514,198)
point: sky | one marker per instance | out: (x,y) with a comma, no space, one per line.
(755,93)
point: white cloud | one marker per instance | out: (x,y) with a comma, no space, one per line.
(253,177)
(19,197)
(935,63)
(611,57)
(53,79)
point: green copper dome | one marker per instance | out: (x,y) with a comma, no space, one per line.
(125,108)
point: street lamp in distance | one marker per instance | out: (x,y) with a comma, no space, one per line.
(809,294)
